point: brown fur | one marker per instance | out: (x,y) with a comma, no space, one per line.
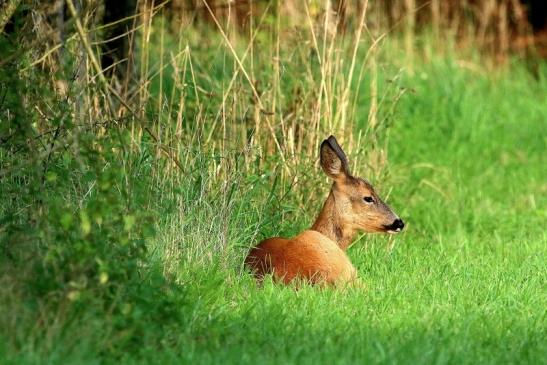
(310,256)
(318,255)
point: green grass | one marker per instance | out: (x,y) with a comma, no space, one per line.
(464,284)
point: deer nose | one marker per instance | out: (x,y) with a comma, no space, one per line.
(396,226)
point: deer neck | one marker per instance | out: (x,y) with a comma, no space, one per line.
(329,224)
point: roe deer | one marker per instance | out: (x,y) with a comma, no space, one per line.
(318,255)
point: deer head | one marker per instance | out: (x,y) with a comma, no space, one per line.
(355,204)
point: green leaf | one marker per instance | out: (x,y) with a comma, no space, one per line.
(66,220)
(51,176)
(85,223)
(129,222)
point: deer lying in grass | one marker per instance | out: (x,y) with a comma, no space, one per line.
(318,255)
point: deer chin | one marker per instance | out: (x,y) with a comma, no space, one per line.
(394,231)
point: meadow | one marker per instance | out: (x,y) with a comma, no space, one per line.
(126,243)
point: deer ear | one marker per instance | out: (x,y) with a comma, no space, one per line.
(333,159)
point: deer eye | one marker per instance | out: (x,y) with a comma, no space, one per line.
(368,199)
